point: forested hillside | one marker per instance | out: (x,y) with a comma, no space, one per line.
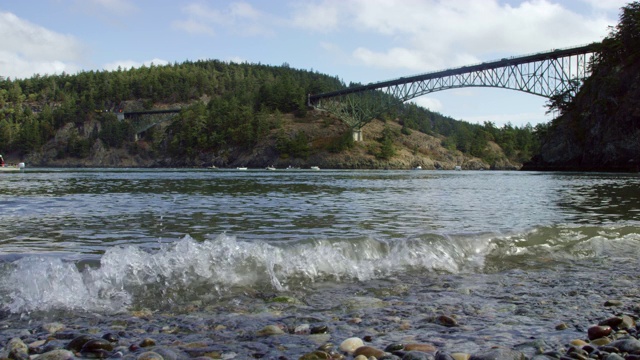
(599,130)
(228,110)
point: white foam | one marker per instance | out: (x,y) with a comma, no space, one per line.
(188,268)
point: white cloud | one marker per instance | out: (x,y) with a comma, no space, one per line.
(239,18)
(193,26)
(426,35)
(118,7)
(606,4)
(237,60)
(128,64)
(316,17)
(515,119)
(432,104)
(29,49)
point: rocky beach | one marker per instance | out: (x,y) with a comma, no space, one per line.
(559,313)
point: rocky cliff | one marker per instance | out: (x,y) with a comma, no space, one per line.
(600,129)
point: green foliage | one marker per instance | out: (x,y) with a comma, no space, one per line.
(245,106)
(387,149)
(114,133)
(342,143)
(296,147)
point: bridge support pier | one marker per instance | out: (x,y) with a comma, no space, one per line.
(357,135)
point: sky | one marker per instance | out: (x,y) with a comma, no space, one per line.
(356,40)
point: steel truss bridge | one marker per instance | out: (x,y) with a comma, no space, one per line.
(558,72)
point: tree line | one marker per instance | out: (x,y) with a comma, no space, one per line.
(244,103)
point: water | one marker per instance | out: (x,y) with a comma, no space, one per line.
(115,240)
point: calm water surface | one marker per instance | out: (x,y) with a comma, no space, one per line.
(105,233)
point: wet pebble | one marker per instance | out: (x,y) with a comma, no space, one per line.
(149,355)
(147,342)
(53,327)
(59,354)
(629,345)
(97,348)
(17,349)
(78,342)
(270,330)
(369,351)
(598,331)
(351,344)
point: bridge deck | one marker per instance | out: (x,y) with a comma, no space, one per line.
(553,54)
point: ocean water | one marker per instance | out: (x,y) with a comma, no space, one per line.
(108,241)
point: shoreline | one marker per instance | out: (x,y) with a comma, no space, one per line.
(525,313)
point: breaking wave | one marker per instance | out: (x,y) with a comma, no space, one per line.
(188,270)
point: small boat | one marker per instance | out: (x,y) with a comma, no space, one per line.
(270,168)
(12,168)
(241,168)
(315,168)
(417,167)
(458,168)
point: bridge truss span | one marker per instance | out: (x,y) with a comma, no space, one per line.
(544,77)
(548,74)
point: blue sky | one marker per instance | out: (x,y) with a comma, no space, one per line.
(356,40)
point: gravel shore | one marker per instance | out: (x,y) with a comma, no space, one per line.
(573,310)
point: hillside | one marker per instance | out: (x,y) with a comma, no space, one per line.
(600,129)
(321,132)
(232,115)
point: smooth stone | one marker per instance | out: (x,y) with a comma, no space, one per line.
(302,329)
(149,355)
(626,345)
(578,342)
(319,339)
(562,326)
(460,356)
(394,347)
(612,321)
(270,330)
(369,351)
(166,353)
(601,341)
(351,344)
(363,302)
(78,342)
(111,337)
(597,331)
(97,348)
(316,355)
(416,355)
(613,356)
(627,323)
(578,356)
(147,342)
(328,347)
(17,349)
(59,354)
(321,329)
(34,346)
(499,353)
(51,345)
(53,327)
(420,347)
(447,321)
(613,303)
(440,355)
(360,357)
